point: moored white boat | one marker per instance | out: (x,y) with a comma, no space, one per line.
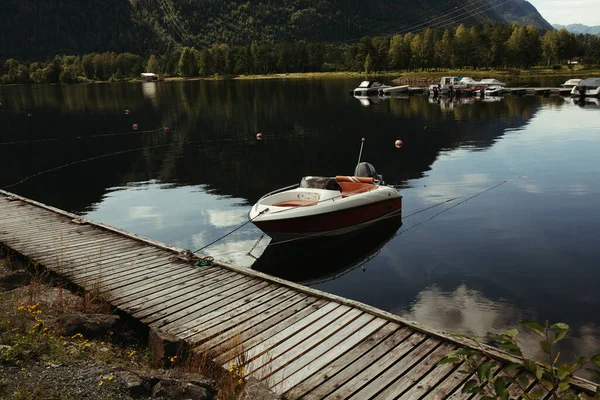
(326,206)
(587,87)
(369,88)
(494,91)
(570,83)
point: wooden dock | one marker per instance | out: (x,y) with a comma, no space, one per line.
(302,342)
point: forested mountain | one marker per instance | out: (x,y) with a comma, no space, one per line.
(579,28)
(31,29)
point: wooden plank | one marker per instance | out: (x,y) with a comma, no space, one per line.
(78,257)
(293,359)
(281,355)
(47,238)
(167,287)
(405,382)
(256,306)
(273,315)
(106,253)
(117,270)
(171,310)
(127,262)
(120,269)
(264,331)
(451,384)
(37,229)
(143,278)
(369,368)
(263,346)
(149,272)
(326,353)
(339,371)
(160,314)
(284,341)
(226,309)
(436,375)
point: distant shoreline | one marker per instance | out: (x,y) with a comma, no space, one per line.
(403,77)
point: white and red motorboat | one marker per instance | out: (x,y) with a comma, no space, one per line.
(326,206)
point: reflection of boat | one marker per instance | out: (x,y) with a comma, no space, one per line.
(393,90)
(324,206)
(369,88)
(491,99)
(586,102)
(571,83)
(311,261)
(369,100)
(587,87)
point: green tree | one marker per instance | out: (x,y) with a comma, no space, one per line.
(153,65)
(368,64)
(462,47)
(187,64)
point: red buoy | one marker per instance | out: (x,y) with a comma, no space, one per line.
(398,143)
(135,127)
(167,129)
(259,136)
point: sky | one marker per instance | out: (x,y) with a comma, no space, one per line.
(565,12)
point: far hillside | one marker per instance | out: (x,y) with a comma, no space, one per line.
(36,29)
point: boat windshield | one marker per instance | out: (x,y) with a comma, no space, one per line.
(590,82)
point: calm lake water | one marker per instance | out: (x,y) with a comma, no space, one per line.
(519,240)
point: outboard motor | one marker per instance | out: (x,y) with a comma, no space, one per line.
(366,170)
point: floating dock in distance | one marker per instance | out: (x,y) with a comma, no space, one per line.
(303,343)
(539,91)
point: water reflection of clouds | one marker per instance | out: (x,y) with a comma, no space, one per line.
(147,213)
(226,218)
(463,310)
(469,312)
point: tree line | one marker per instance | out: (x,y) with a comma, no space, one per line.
(480,46)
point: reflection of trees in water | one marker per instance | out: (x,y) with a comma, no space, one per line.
(310,127)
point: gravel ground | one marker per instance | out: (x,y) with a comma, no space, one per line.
(61,382)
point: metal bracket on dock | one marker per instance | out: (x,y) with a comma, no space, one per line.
(79,221)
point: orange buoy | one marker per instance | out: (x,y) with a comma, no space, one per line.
(259,136)
(398,143)
(135,127)
(167,129)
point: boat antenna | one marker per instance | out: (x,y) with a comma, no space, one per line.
(361,147)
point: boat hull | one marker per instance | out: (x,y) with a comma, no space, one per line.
(331,223)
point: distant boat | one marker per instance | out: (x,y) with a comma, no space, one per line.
(494,90)
(492,82)
(461,84)
(369,88)
(571,83)
(587,87)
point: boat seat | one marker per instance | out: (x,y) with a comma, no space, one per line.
(296,203)
(352,185)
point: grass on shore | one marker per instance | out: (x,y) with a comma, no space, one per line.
(30,336)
